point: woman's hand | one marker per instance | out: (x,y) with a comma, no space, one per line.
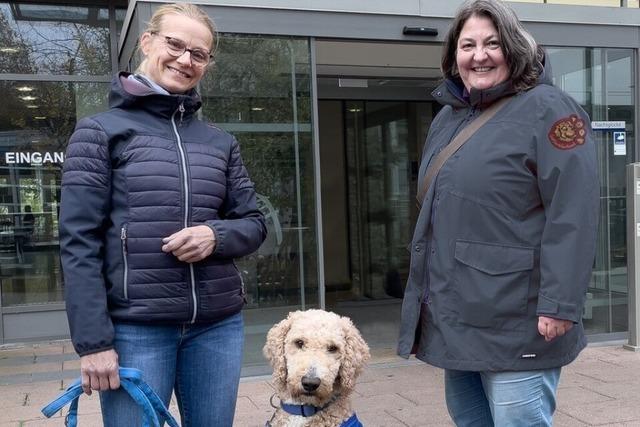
(191,244)
(99,371)
(550,328)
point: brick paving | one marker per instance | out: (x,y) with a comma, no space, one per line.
(601,388)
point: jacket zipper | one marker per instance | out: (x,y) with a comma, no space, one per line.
(242,287)
(123,239)
(426,296)
(185,183)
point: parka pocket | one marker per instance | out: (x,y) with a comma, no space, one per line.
(492,283)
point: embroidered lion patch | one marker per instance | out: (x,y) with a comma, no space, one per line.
(568,132)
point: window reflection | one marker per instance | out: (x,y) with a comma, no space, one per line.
(32,145)
(33,12)
(260,91)
(120,15)
(54,39)
(601,81)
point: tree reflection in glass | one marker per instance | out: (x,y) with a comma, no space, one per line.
(54,39)
(259,90)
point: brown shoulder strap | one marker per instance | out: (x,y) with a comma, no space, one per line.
(455,145)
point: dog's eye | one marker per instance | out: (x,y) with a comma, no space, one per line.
(299,343)
(332,348)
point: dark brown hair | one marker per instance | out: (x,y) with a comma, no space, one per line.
(521,52)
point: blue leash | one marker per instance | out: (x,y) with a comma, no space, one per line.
(130,380)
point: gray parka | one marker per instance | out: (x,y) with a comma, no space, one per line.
(506,233)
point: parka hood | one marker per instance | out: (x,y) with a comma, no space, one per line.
(132,93)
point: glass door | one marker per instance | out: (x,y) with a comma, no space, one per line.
(373,217)
(602,81)
(260,92)
(381,146)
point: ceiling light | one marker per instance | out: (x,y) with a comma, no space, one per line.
(24,89)
(39,117)
(28,98)
(33,106)
(257,108)
(353,82)
(9,50)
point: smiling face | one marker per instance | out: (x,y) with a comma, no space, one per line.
(479,56)
(175,74)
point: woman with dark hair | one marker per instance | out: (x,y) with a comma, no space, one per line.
(505,238)
(156,204)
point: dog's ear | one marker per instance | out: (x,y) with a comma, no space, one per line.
(273,349)
(356,354)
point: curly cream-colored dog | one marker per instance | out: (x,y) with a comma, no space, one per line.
(316,357)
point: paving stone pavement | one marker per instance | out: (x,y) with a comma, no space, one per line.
(601,388)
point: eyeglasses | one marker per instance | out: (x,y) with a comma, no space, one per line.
(177,48)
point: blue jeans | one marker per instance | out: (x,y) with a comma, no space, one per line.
(502,399)
(200,362)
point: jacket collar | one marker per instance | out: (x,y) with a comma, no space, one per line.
(133,93)
(452,92)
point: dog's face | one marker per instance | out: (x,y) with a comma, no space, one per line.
(315,355)
(313,351)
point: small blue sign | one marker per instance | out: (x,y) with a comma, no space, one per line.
(619,143)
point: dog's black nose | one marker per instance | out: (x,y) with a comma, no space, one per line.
(310,383)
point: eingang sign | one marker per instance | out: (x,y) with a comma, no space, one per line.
(35,158)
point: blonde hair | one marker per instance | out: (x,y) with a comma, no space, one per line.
(185,9)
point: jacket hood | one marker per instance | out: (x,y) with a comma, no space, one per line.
(131,93)
(545,77)
(452,91)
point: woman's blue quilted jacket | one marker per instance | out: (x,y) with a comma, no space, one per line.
(132,176)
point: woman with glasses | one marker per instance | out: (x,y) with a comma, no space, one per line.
(155,206)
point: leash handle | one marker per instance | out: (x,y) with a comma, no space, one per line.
(150,418)
(131,381)
(72,393)
(157,404)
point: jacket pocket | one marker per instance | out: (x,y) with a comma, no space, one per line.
(492,284)
(125,262)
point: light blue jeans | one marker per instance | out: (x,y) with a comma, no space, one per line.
(200,362)
(502,399)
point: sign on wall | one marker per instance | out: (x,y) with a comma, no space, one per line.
(620,143)
(619,136)
(34,158)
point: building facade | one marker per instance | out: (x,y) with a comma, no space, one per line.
(330,101)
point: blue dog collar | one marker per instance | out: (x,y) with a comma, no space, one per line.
(310,410)
(303,410)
